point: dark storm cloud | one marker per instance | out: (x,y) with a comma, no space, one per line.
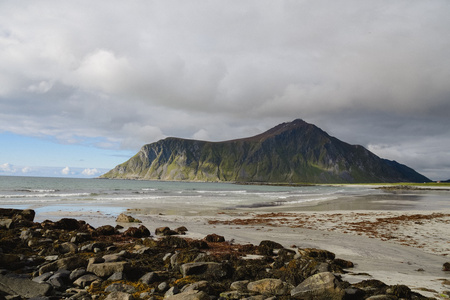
(374,73)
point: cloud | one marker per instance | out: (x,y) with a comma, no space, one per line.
(80,74)
(26,170)
(90,172)
(65,171)
(7,168)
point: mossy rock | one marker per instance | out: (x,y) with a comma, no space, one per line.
(297,270)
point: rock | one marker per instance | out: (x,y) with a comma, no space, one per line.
(271,244)
(239,285)
(205,270)
(345,264)
(68,224)
(164,231)
(23,287)
(172,291)
(234,295)
(181,230)
(400,291)
(316,253)
(353,294)
(321,286)
(149,278)
(68,263)
(58,282)
(214,238)
(75,274)
(382,297)
(105,230)
(297,270)
(107,269)
(123,218)
(163,286)
(67,247)
(86,280)
(202,285)
(446,266)
(266,247)
(80,237)
(43,277)
(113,257)
(117,276)
(181,257)
(17,214)
(190,295)
(119,296)
(120,287)
(173,241)
(269,286)
(140,232)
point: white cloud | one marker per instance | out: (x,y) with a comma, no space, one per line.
(7,168)
(26,170)
(65,171)
(90,172)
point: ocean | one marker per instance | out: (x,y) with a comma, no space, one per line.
(113,197)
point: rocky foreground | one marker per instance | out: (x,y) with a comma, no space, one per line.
(69,259)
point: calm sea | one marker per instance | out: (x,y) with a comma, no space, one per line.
(115,196)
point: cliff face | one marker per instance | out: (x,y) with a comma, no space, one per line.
(295,152)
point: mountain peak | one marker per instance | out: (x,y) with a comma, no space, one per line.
(280,128)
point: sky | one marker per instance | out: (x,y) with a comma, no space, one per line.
(85,84)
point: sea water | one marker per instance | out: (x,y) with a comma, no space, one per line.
(115,196)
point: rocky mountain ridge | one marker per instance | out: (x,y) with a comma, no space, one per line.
(294,152)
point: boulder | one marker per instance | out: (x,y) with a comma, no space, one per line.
(345,264)
(68,224)
(119,296)
(205,270)
(321,286)
(68,263)
(239,285)
(67,247)
(17,214)
(149,278)
(446,266)
(202,285)
(140,232)
(117,276)
(269,286)
(86,280)
(77,273)
(120,287)
(172,291)
(107,269)
(23,287)
(123,218)
(174,241)
(190,295)
(105,230)
(165,231)
(316,253)
(214,238)
(181,230)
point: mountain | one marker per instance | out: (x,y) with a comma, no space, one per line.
(295,152)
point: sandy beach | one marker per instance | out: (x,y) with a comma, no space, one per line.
(395,246)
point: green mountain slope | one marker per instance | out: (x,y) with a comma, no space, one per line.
(295,152)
